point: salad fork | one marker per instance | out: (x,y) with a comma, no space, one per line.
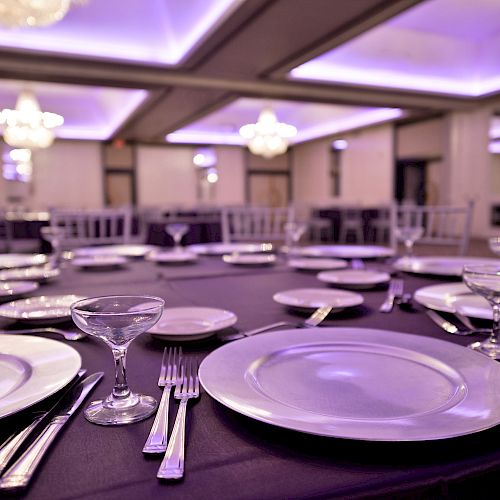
(395,291)
(169,377)
(172,466)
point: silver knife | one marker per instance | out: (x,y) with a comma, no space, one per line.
(19,475)
(10,447)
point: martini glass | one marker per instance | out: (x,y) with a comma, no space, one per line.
(177,230)
(117,320)
(409,235)
(54,235)
(485,281)
(294,231)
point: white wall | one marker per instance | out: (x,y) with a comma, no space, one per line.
(230,189)
(422,140)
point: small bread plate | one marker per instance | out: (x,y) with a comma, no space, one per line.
(317,264)
(40,274)
(13,260)
(312,298)
(354,278)
(99,262)
(134,251)
(249,259)
(171,256)
(439,266)
(227,248)
(12,289)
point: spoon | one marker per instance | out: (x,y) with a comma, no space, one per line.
(67,335)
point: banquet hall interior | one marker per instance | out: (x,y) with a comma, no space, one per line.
(263,167)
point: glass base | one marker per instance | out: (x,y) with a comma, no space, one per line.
(119,412)
(486,347)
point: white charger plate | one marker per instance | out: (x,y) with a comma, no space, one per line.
(345,251)
(249,259)
(29,273)
(40,309)
(121,250)
(12,260)
(192,323)
(31,369)
(439,266)
(442,297)
(340,382)
(99,261)
(317,264)
(11,289)
(312,298)
(171,256)
(354,278)
(224,248)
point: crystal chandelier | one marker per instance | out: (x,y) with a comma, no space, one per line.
(33,13)
(267,137)
(27,126)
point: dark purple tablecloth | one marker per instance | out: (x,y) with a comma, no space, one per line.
(229,455)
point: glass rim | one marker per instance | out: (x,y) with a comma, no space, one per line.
(75,306)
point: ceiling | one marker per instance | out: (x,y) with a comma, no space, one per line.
(196,70)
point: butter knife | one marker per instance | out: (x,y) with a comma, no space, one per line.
(10,447)
(19,475)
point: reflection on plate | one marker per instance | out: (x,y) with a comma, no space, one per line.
(442,297)
(32,368)
(223,248)
(11,289)
(354,278)
(312,298)
(29,273)
(311,264)
(439,266)
(171,256)
(239,259)
(192,323)
(441,389)
(345,251)
(40,309)
(12,260)
(122,250)
(99,261)
(474,306)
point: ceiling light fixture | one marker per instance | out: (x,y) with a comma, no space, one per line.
(267,137)
(33,13)
(27,126)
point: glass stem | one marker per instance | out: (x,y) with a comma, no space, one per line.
(120,389)
(495,331)
(409,248)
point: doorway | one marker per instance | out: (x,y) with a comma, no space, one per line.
(411,178)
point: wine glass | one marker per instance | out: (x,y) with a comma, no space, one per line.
(294,231)
(54,235)
(177,230)
(485,281)
(117,320)
(494,244)
(408,235)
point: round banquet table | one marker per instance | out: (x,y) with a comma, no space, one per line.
(229,455)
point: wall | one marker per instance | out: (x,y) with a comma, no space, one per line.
(230,189)
(421,140)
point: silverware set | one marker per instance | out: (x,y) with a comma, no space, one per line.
(453,328)
(183,375)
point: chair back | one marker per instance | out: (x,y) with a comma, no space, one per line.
(93,227)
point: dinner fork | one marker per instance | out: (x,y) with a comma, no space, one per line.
(66,334)
(172,466)
(395,291)
(169,377)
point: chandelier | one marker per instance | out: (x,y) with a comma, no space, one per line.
(27,126)
(33,13)
(267,137)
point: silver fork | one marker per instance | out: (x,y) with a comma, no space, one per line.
(169,377)
(67,335)
(172,466)
(395,291)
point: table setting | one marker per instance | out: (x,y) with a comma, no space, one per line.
(255,370)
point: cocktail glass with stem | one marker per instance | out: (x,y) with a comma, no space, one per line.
(408,235)
(54,235)
(177,230)
(118,320)
(485,281)
(494,244)
(294,231)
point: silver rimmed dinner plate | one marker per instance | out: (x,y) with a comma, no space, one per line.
(171,256)
(12,289)
(345,251)
(442,297)
(192,323)
(40,274)
(357,383)
(354,278)
(439,266)
(121,250)
(31,369)
(249,259)
(226,248)
(317,264)
(99,261)
(312,298)
(53,308)
(12,260)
